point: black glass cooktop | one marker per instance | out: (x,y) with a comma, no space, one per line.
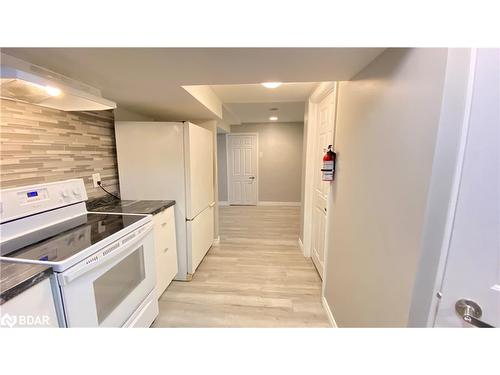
(61,241)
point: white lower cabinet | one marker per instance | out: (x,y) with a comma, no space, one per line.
(34,307)
(165,249)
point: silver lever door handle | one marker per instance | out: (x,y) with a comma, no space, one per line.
(470,312)
(476,322)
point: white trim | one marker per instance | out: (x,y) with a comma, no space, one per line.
(216,241)
(329,314)
(309,176)
(228,175)
(301,245)
(223,203)
(272,203)
(322,91)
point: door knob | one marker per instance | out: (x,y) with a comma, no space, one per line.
(251,178)
(470,312)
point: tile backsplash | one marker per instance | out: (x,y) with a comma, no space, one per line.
(39,144)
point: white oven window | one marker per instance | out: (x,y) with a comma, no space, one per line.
(112,287)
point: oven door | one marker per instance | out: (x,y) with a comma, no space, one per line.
(105,289)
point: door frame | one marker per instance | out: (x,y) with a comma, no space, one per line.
(444,185)
(228,172)
(321,92)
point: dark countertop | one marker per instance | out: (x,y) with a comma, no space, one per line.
(15,278)
(110,204)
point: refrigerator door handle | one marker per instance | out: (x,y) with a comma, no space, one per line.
(206,207)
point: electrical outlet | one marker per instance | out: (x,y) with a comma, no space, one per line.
(96,177)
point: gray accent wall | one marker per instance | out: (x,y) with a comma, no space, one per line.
(280,159)
(40,144)
(387,122)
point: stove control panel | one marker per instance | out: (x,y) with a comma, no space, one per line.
(30,200)
(35,195)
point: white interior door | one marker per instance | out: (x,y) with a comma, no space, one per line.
(472,270)
(325,126)
(242,163)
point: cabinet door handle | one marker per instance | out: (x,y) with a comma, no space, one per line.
(163,224)
(165,249)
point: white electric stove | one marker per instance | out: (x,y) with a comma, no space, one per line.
(103,262)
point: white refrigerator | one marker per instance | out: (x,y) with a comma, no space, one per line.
(172,161)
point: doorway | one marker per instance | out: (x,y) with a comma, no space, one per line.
(242,168)
(469,291)
(320,134)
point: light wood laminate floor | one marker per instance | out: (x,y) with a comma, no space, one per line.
(255,277)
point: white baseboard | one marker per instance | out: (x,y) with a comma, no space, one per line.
(223,203)
(329,313)
(269,203)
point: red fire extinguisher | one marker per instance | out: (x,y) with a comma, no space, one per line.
(328,170)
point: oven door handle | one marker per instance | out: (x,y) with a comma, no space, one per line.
(103,257)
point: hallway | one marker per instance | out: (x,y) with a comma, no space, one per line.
(255,277)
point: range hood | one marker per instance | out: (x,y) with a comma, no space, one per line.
(28,83)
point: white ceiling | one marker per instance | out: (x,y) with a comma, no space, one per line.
(149,80)
(253,93)
(259,112)
(251,103)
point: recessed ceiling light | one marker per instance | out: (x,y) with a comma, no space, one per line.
(273,118)
(271,85)
(52,91)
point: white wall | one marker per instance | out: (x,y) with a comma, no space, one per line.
(387,120)
(222,167)
(303,178)
(206,96)
(280,159)
(123,114)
